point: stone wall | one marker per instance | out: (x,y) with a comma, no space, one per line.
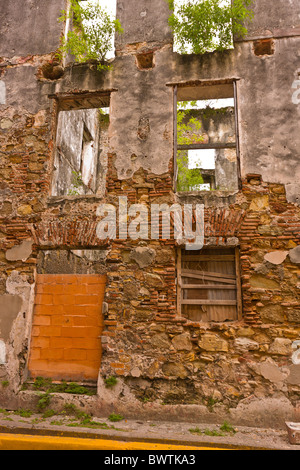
(166,365)
(161,357)
(226,363)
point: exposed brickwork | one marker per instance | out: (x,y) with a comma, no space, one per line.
(67,325)
(144,336)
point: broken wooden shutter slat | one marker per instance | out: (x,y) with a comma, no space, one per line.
(204,277)
(208,302)
(208,258)
(208,286)
(229,145)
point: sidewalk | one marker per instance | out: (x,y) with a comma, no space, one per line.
(145,434)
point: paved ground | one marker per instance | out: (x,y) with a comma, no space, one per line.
(144,433)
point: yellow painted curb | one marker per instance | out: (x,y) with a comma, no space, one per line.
(29,442)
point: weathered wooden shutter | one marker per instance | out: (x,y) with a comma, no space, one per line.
(209,284)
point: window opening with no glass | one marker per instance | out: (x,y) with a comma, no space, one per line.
(206,137)
(80,159)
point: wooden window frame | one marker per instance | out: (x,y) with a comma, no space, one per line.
(205,85)
(236,283)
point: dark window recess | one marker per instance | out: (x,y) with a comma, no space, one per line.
(145,61)
(264,47)
(209,284)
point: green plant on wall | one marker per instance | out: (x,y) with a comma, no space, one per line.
(91,37)
(77,184)
(201,26)
(188,129)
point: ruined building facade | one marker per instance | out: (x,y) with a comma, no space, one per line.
(189,334)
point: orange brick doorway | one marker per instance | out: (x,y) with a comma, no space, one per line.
(67,327)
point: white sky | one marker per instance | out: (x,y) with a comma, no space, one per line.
(205,158)
(219,103)
(111,6)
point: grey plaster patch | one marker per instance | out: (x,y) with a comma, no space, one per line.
(24,91)
(10,306)
(292,193)
(143,256)
(295,255)
(294,377)
(271,372)
(37,21)
(20,252)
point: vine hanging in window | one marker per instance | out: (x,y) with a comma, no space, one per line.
(92,33)
(201,26)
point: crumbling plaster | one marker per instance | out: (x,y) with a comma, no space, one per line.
(260,104)
(16,313)
(268,118)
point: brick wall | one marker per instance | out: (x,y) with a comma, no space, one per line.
(67,325)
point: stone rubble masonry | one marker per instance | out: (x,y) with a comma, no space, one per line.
(160,356)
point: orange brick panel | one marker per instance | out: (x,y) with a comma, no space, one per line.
(67,325)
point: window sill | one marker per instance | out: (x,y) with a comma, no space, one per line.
(208,198)
(53,200)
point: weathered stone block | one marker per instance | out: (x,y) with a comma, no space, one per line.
(259,203)
(24,210)
(160,341)
(294,255)
(182,342)
(272,314)
(281,346)
(260,281)
(294,377)
(174,369)
(143,256)
(246,344)
(213,342)
(271,372)
(153,280)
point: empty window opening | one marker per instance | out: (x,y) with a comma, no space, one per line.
(206,147)
(202,164)
(209,284)
(80,160)
(88,164)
